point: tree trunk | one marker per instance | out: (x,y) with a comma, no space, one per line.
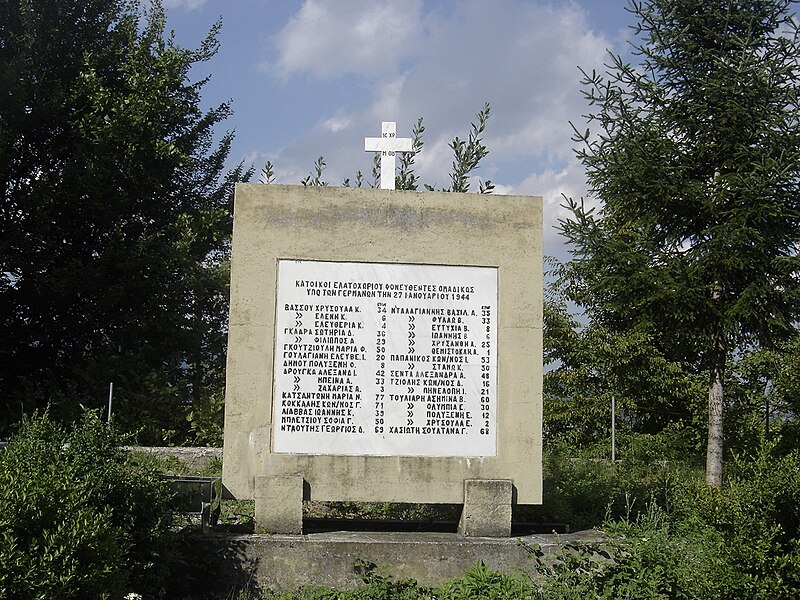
(716,400)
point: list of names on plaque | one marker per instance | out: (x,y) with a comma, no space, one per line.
(385,359)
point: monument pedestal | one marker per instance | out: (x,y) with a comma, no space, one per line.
(487,508)
(384,346)
(486,511)
(279,504)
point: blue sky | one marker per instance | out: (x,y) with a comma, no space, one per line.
(315,77)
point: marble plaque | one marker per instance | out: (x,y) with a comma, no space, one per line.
(385,359)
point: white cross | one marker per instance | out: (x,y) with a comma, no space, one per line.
(387,145)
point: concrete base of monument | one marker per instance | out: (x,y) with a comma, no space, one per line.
(486,507)
(279,504)
(281,563)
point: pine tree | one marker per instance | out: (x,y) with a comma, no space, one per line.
(694,157)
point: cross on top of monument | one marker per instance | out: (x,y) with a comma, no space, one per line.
(387,145)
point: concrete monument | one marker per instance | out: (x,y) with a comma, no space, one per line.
(384,346)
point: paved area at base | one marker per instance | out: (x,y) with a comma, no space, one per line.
(286,562)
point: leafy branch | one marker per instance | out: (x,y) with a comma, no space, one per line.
(268,173)
(469,153)
(406,180)
(314,179)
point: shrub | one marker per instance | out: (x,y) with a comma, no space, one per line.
(741,541)
(584,492)
(482,582)
(77,520)
(757,516)
(650,556)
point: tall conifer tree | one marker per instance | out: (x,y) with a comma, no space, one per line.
(694,158)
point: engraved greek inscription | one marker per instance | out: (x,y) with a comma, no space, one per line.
(413,362)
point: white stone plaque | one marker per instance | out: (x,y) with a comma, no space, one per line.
(385,359)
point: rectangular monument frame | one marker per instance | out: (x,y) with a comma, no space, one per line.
(276,222)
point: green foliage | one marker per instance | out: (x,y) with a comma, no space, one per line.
(149,461)
(467,155)
(695,238)
(376,170)
(478,583)
(659,401)
(667,535)
(482,582)
(108,163)
(764,397)
(206,420)
(268,173)
(583,492)
(757,516)
(77,519)
(314,179)
(740,541)
(406,179)
(642,558)
(237,512)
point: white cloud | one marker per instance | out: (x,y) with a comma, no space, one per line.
(328,38)
(185,4)
(335,124)
(389,99)
(442,64)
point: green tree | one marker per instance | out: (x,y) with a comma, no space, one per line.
(695,159)
(115,213)
(765,395)
(589,366)
(79,518)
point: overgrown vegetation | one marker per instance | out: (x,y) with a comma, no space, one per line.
(689,244)
(115,219)
(478,583)
(81,518)
(740,541)
(78,519)
(678,539)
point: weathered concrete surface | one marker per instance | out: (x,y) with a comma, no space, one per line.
(487,508)
(273,222)
(279,505)
(196,458)
(285,562)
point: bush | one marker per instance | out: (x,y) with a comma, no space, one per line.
(643,558)
(481,582)
(741,541)
(585,492)
(757,516)
(77,520)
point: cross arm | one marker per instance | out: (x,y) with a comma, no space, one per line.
(374,144)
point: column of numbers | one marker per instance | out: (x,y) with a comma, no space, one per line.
(486,357)
(380,368)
